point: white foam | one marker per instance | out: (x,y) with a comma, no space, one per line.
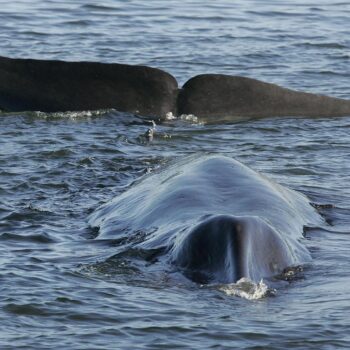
(169,116)
(73,115)
(247,289)
(189,117)
(184,117)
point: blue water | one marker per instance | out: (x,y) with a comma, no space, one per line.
(57,286)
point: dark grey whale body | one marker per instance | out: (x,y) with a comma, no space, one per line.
(212,218)
(220,96)
(51,86)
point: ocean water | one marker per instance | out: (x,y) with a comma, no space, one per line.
(58,285)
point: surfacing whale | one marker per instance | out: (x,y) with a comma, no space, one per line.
(213,219)
(56,86)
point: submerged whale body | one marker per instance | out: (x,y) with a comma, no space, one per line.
(213,219)
(56,86)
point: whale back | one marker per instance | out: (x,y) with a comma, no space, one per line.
(54,86)
(223,97)
(168,206)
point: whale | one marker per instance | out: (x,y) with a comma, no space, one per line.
(211,219)
(59,86)
(218,96)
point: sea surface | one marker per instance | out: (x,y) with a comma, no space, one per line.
(58,289)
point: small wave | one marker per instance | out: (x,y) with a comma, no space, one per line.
(39,209)
(86,161)
(58,153)
(275,13)
(34,238)
(33,33)
(95,7)
(247,289)
(326,45)
(79,22)
(34,309)
(109,268)
(299,171)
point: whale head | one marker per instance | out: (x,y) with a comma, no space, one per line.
(225,248)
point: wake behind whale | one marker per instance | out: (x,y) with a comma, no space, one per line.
(213,219)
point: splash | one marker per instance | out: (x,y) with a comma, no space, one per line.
(73,115)
(184,117)
(149,134)
(169,116)
(247,289)
(190,118)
